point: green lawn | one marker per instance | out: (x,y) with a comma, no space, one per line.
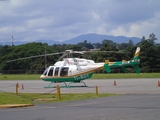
(20,77)
(95,76)
(33,98)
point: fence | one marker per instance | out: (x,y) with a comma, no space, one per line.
(100,71)
(21,71)
(21,88)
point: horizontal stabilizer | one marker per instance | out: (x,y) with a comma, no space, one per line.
(124,69)
(136,68)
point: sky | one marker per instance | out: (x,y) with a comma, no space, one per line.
(59,20)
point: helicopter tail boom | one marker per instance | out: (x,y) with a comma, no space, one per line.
(123,64)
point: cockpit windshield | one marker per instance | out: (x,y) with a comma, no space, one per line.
(50,72)
(45,72)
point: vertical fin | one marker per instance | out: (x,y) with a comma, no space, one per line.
(136,55)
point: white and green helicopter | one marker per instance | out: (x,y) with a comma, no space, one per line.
(75,70)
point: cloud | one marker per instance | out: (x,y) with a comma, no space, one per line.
(143,28)
(60,20)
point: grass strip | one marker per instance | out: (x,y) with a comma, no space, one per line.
(37,98)
(9,98)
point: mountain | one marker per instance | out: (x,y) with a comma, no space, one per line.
(96,38)
(92,38)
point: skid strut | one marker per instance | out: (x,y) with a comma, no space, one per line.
(66,86)
(77,86)
(49,86)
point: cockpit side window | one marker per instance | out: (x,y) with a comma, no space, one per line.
(64,71)
(50,73)
(56,71)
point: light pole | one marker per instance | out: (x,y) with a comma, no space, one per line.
(45,58)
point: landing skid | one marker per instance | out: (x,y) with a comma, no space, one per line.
(66,86)
(49,86)
(77,86)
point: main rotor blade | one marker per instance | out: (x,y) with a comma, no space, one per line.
(34,56)
(92,51)
(62,56)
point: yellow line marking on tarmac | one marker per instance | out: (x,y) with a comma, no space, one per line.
(15,105)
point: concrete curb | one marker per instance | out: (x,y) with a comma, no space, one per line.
(15,105)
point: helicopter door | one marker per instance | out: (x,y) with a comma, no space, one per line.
(56,71)
(50,72)
(64,71)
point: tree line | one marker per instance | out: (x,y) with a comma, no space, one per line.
(149,55)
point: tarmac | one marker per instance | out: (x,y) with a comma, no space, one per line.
(123,86)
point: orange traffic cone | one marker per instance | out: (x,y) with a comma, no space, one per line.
(22,86)
(115,83)
(158,83)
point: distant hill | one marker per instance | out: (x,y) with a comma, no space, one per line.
(96,38)
(92,38)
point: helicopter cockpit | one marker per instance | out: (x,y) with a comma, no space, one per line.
(56,71)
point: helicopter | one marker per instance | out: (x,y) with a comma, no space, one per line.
(75,70)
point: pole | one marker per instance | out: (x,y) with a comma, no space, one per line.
(17,89)
(45,58)
(96,90)
(58,92)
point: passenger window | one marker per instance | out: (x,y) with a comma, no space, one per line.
(64,71)
(56,71)
(50,73)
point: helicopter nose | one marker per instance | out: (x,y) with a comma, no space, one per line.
(42,76)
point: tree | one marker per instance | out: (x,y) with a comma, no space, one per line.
(130,43)
(158,56)
(97,45)
(22,51)
(108,42)
(148,55)
(152,38)
(143,39)
(123,46)
(84,45)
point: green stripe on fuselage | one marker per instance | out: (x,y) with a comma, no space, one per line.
(75,78)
